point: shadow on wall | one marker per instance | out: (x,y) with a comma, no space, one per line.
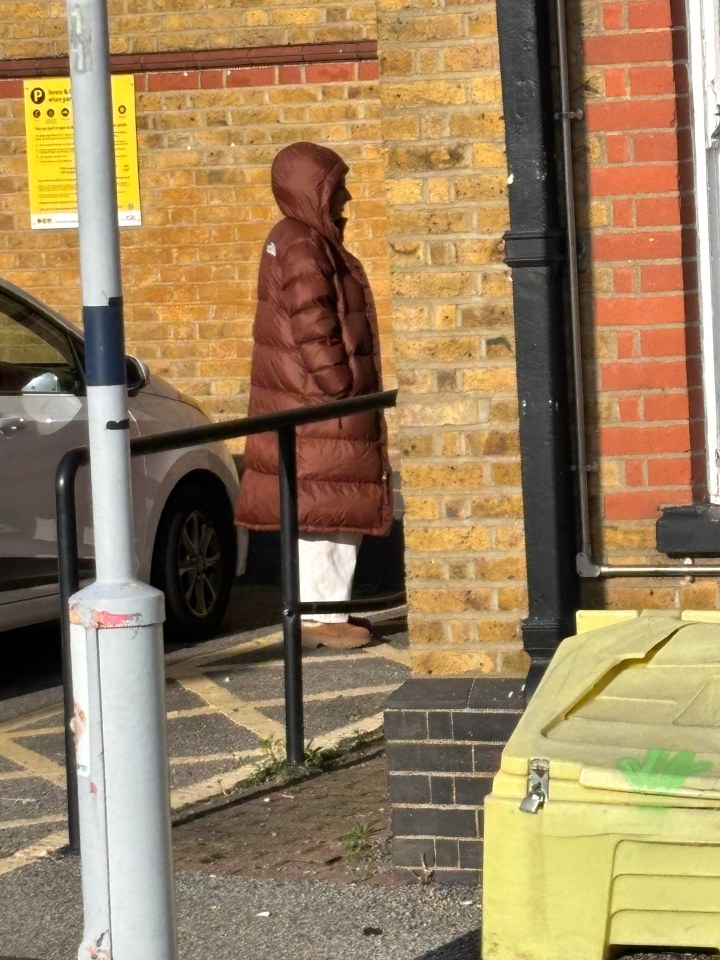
(381,561)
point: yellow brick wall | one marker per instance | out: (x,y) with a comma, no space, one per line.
(38,28)
(189,272)
(453,334)
(428,173)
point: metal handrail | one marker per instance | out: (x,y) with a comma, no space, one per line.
(285,424)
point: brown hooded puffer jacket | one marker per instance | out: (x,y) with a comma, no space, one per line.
(316,340)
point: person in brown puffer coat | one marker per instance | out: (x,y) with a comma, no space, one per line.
(315,340)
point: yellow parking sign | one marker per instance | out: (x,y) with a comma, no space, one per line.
(51,156)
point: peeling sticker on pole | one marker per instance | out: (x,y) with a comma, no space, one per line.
(105,619)
(80,32)
(101,619)
(79,724)
(97,950)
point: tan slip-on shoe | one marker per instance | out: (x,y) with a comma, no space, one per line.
(335,636)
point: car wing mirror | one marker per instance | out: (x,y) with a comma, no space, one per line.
(137,375)
(47,382)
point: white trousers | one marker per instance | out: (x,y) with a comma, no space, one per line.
(327,567)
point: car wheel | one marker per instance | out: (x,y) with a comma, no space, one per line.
(194,562)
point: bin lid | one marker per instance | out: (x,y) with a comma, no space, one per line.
(633,707)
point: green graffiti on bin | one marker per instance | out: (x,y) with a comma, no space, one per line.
(661,770)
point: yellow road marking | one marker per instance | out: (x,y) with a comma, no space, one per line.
(328,695)
(217,757)
(231,707)
(43,848)
(386,652)
(229,668)
(19,722)
(190,712)
(32,822)
(35,763)
(177,670)
(383,652)
(38,732)
(324,657)
(211,787)
(366,725)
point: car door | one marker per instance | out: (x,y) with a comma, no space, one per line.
(43,413)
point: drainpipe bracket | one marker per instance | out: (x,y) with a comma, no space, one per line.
(585,566)
(525,248)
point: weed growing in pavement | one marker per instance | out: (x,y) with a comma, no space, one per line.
(358,738)
(357,840)
(425,874)
(367,845)
(316,758)
(274,764)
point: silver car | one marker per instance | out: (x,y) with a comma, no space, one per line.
(186,542)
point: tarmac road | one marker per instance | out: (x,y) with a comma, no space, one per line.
(242,919)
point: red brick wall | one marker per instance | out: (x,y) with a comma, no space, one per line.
(639,293)
(642,288)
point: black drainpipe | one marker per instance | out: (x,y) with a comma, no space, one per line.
(535,252)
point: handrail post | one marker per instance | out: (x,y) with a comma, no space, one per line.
(290,580)
(69,582)
(284,423)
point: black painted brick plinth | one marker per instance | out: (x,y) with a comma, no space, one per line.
(445,738)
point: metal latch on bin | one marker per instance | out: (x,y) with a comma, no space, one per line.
(538,786)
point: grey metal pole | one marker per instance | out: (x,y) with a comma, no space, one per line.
(116,623)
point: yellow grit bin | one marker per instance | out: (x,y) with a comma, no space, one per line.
(602,830)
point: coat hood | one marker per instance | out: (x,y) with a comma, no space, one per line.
(303,177)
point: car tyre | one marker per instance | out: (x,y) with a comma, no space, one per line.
(194,562)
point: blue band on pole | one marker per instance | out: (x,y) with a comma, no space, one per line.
(105,363)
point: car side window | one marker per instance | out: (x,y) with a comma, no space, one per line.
(35,355)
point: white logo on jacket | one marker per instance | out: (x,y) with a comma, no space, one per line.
(271,249)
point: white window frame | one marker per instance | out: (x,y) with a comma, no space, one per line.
(703,18)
